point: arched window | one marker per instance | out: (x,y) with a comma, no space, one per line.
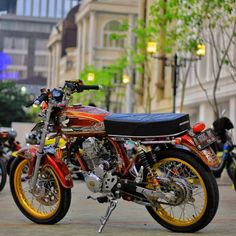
(113,36)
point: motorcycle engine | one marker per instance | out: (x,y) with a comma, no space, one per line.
(100,161)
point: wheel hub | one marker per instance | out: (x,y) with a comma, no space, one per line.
(177,192)
(45,191)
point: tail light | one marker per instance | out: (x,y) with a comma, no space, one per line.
(199,127)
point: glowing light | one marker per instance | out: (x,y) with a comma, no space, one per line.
(23,89)
(9,75)
(5,61)
(91,76)
(126,79)
(152,47)
(201,50)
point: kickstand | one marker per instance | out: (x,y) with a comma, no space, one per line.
(105,218)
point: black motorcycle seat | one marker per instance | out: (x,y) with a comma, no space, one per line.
(143,125)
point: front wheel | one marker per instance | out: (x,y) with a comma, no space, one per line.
(48,203)
(193,190)
(3,174)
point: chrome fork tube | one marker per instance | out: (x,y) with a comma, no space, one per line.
(41,147)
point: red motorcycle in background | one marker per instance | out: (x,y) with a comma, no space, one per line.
(167,169)
(8,146)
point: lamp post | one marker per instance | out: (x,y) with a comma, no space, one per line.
(175,62)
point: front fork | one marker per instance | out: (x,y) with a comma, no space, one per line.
(40,152)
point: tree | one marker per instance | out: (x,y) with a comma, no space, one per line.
(178,26)
(12,103)
(170,37)
(218,22)
(110,79)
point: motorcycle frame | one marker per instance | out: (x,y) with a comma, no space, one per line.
(184,140)
(178,143)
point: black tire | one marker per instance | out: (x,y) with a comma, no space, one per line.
(231,168)
(29,210)
(211,200)
(8,165)
(3,174)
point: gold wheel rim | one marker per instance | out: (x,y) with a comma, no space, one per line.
(178,215)
(28,201)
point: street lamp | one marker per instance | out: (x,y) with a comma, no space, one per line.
(126,79)
(152,47)
(91,77)
(175,62)
(201,50)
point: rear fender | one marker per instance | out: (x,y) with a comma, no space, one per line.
(59,167)
(184,150)
(207,155)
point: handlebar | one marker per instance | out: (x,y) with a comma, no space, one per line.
(79,87)
(30,104)
(73,86)
(90,87)
(42,97)
(39,99)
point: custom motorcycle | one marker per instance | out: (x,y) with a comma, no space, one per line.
(166,169)
(224,147)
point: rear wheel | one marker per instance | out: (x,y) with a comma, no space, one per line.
(193,189)
(3,174)
(49,202)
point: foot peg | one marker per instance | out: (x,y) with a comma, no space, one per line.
(101,199)
(105,218)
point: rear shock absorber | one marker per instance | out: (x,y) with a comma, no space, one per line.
(144,154)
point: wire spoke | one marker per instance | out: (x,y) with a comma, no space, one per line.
(44,199)
(187,186)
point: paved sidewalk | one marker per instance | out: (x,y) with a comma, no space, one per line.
(128,219)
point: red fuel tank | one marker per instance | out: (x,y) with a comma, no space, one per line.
(79,120)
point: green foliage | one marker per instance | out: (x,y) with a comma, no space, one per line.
(108,77)
(177,25)
(104,76)
(12,103)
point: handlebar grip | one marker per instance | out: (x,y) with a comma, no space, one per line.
(89,87)
(30,104)
(42,97)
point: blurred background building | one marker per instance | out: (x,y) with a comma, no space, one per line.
(54,40)
(25,26)
(83,38)
(196,103)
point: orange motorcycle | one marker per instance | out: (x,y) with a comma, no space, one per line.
(8,147)
(166,169)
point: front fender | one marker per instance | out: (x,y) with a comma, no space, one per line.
(58,166)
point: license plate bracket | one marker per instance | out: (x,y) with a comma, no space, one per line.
(204,139)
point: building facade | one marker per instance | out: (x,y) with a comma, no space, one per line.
(56,9)
(198,97)
(95,22)
(198,92)
(25,26)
